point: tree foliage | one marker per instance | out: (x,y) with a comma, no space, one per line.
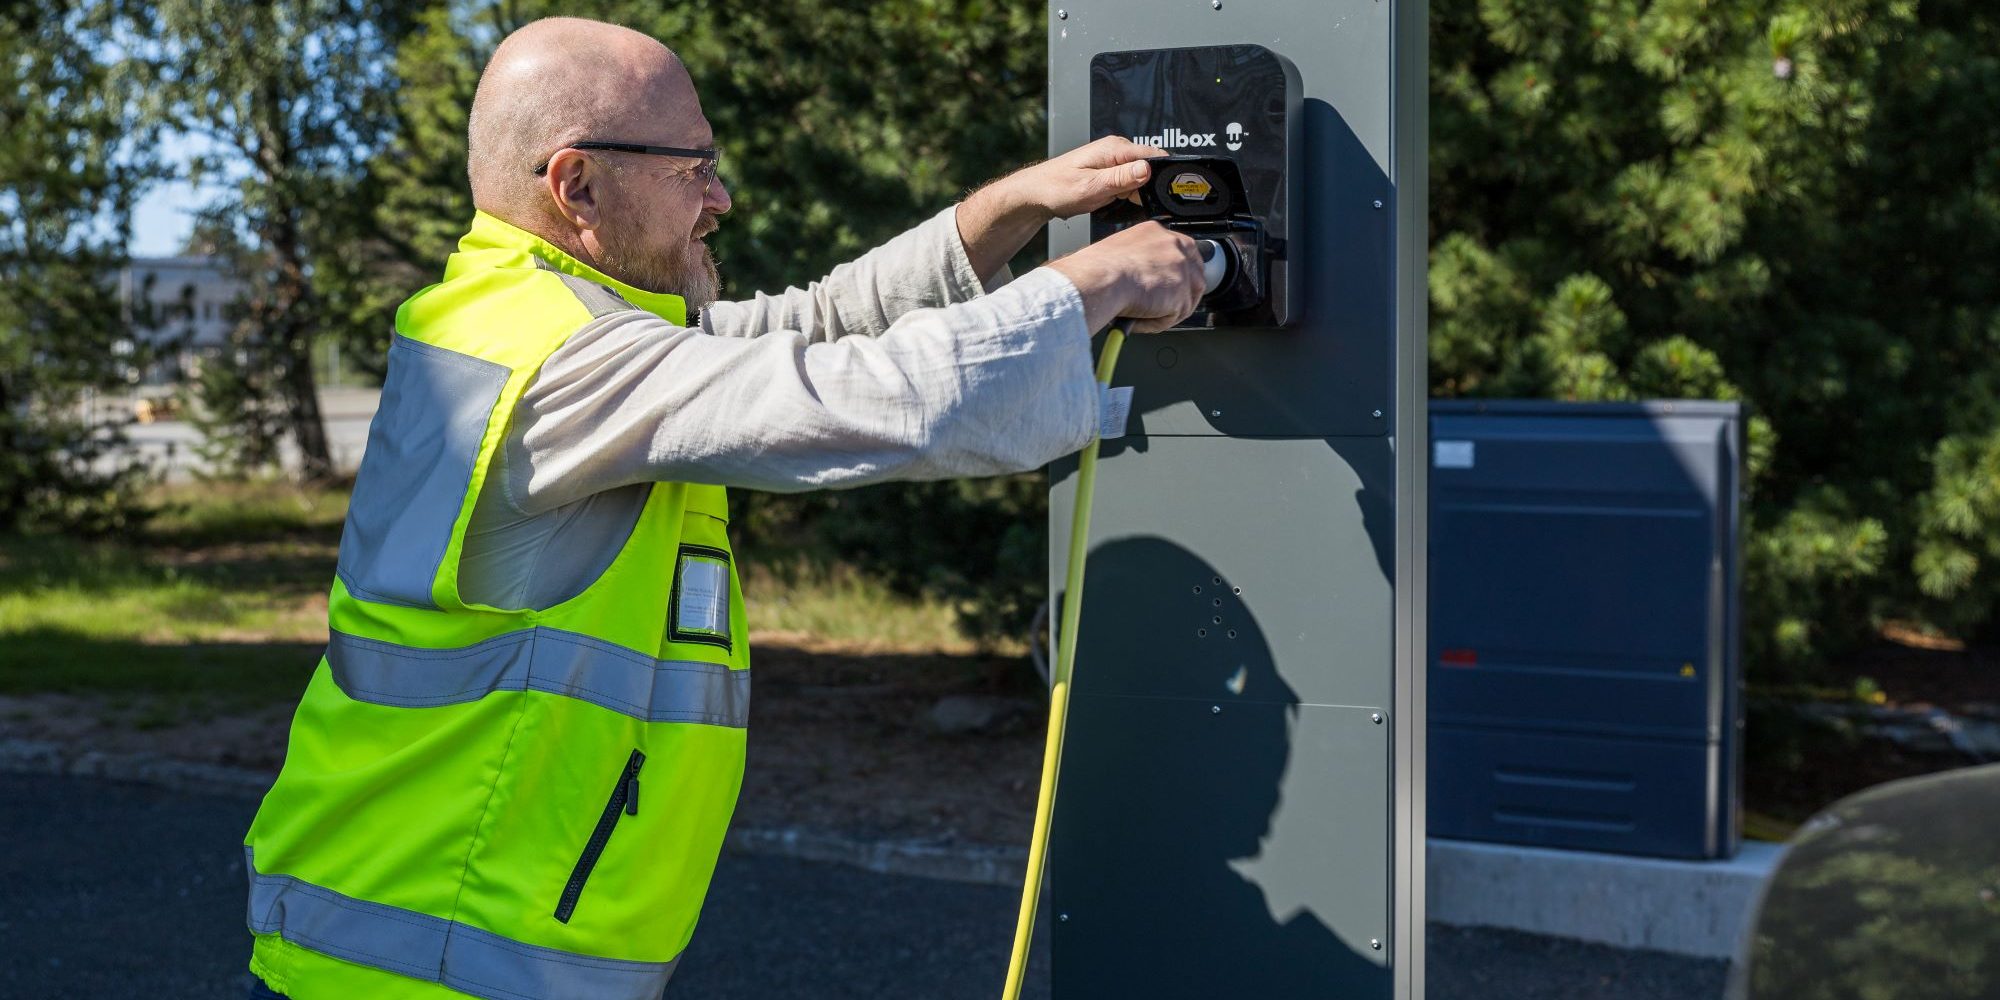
(71,168)
(1792,204)
(297,97)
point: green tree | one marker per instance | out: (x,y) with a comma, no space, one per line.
(1782,203)
(71,168)
(296,97)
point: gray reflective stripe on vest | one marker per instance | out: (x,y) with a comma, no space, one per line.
(601,300)
(422,445)
(422,946)
(541,659)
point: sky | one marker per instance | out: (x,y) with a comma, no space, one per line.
(165,216)
(162,221)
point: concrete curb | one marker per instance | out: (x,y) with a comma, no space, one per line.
(977,864)
(980,865)
(1697,908)
(37,757)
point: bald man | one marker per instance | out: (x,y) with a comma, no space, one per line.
(536,610)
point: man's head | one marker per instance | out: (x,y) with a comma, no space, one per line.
(637,217)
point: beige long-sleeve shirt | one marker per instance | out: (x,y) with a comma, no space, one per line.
(901,364)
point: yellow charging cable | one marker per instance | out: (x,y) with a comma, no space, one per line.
(1072,612)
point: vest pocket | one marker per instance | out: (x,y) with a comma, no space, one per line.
(624,801)
(700,599)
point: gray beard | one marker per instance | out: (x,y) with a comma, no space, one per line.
(689,272)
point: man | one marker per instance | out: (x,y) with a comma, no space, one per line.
(536,613)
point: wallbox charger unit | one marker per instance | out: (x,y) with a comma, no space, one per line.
(1230,116)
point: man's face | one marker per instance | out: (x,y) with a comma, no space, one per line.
(657,213)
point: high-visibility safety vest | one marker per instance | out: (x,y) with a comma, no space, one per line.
(460,809)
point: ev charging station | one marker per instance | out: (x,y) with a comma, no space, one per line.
(1242,793)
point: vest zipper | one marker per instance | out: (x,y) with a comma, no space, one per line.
(625,799)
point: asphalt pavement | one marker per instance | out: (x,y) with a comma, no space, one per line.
(119,890)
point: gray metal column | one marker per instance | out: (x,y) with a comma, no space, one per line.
(1241,805)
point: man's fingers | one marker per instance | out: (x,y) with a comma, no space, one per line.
(1113,150)
(1124,178)
(1098,187)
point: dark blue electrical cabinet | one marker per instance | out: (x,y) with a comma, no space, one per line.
(1584,681)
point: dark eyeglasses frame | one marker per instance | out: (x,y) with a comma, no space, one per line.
(712,158)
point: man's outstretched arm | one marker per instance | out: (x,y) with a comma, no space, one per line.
(999,384)
(952,257)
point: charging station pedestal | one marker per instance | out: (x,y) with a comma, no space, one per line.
(1240,811)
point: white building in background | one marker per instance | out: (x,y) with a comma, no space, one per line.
(193,304)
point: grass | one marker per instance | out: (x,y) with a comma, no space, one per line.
(235,512)
(795,597)
(223,597)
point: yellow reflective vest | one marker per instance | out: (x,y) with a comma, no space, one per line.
(461,809)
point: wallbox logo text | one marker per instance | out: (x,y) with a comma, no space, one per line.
(1174,138)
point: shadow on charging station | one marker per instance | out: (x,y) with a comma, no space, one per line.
(1182,815)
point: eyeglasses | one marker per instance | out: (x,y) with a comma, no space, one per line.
(705,173)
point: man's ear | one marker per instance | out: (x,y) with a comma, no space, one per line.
(573,181)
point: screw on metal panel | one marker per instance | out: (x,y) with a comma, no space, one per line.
(1062,15)
(1378,203)
(1232,633)
(1064,917)
(1375,943)
(1215,413)
(1215,4)
(1217,602)
(1375,717)
(1215,709)
(1201,633)
(1197,588)
(1215,580)
(1236,590)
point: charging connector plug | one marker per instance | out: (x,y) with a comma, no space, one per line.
(1214,264)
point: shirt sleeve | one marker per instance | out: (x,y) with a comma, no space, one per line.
(998,384)
(925,267)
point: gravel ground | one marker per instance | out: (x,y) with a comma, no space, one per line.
(116,890)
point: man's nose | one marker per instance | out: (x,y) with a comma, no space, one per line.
(715,200)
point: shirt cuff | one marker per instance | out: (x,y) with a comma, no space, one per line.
(1053,298)
(965,283)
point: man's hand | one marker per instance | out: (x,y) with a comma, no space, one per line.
(1147,273)
(999,219)
(1086,178)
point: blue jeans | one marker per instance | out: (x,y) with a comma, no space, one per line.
(259,991)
